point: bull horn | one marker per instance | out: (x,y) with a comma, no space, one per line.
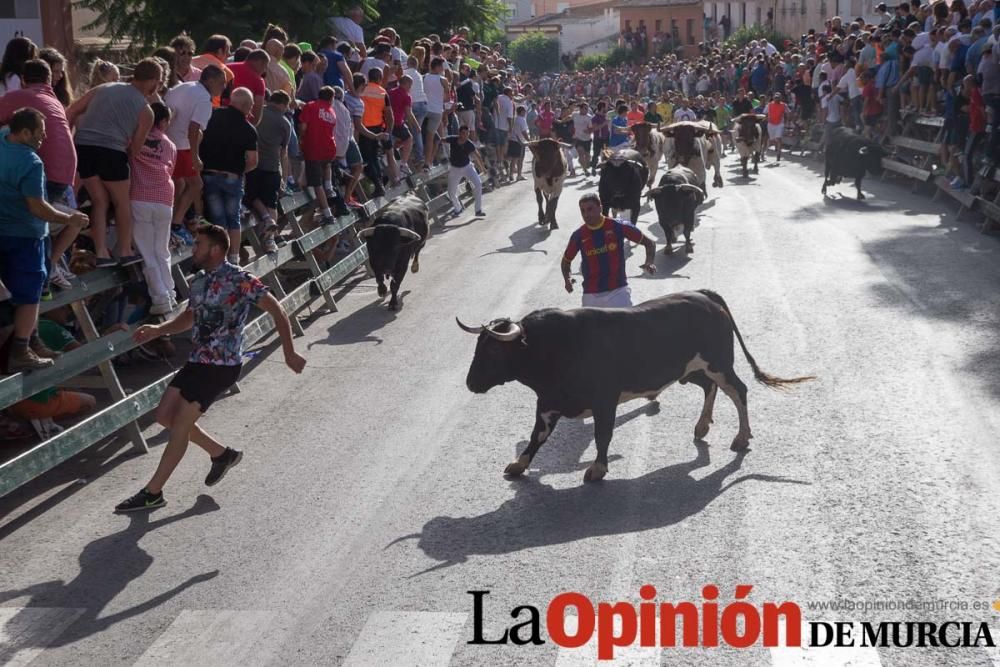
(365,233)
(688,186)
(468,329)
(410,233)
(652,192)
(512,335)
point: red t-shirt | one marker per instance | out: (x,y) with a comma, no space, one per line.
(245,77)
(872,105)
(776,113)
(400,101)
(317,142)
(545,120)
(977,112)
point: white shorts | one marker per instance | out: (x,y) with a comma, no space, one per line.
(775,131)
(616,298)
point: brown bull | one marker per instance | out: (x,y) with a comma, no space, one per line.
(549,168)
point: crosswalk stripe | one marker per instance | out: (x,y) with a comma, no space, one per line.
(632,656)
(27,631)
(416,638)
(821,656)
(208,637)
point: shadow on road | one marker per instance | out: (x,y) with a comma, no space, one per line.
(107,566)
(360,325)
(524,240)
(539,515)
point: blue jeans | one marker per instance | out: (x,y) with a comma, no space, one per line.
(419,112)
(223,195)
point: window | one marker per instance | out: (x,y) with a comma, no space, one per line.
(659,25)
(690,31)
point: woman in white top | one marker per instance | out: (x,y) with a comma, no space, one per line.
(518,138)
(419,103)
(19,51)
(436,91)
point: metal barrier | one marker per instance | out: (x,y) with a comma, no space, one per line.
(98,351)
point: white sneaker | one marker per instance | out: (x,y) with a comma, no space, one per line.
(59,278)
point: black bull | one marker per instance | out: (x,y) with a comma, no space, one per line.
(566,358)
(398,233)
(676,199)
(623,177)
(851,155)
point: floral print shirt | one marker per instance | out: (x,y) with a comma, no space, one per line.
(221,302)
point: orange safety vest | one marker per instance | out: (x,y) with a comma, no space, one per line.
(373,96)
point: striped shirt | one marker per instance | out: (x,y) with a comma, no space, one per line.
(603,250)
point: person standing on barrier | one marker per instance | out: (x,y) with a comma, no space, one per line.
(460,156)
(601,242)
(221,297)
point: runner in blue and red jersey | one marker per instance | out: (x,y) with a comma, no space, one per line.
(601,242)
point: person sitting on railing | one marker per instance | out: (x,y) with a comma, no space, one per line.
(24,215)
(52,403)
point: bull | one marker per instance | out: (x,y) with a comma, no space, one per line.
(850,155)
(565,357)
(688,146)
(398,233)
(649,143)
(749,140)
(623,177)
(676,198)
(549,168)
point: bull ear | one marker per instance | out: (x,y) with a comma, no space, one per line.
(863,150)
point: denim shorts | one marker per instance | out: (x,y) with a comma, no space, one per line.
(223,195)
(23,268)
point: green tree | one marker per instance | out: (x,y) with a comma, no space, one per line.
(534,52)
(153,22)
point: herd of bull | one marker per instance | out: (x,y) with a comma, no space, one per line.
(688,337)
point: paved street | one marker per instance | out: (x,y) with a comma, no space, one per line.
(371,498)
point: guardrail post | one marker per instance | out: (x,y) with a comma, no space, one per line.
(108,373)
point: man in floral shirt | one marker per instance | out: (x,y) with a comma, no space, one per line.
(221,298)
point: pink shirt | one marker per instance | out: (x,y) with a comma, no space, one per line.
(193,75)
(152,171)
(57,151)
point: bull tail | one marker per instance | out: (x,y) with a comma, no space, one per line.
(765,379)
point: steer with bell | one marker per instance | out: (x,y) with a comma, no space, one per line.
(584,362)
(397,234)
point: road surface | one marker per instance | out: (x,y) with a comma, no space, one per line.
(371,498)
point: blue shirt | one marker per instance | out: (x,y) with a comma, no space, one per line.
(21,176)
(618,138)
(332,77)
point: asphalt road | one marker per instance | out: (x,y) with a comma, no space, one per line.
(371,498)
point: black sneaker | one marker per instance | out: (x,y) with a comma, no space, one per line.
(222,464)
(144,500)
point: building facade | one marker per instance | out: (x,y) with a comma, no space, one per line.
(683,19)
(587,29)
(45,22)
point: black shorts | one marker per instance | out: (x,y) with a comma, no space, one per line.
(582,146)
(514,149)
(204,383)
(105,163)
(401,133)
(262,185)
(314,172)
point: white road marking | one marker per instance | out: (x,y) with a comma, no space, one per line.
(27,631)
(209,637)
(414,638)
(821,656)
(586,655)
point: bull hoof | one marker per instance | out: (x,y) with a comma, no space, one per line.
(517,468)
(416,267)
(553,225)
(701,429)
(717,183)
(595,472)
(861,196)
(393,305)
(382,290)
(756,170)
(541,220)
(669,249)
(688,248)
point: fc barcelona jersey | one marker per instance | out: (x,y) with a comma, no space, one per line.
(603,254)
